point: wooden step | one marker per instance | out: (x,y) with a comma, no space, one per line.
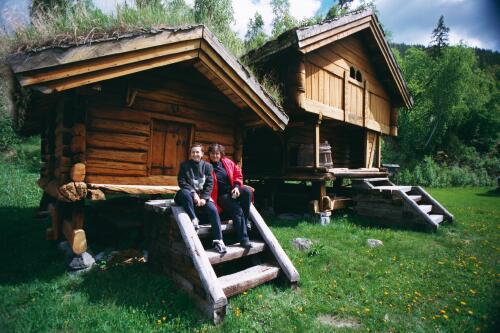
(206,229)
(375,179)
(393,188)
(425,208)
(237,283)
(415,198)
(437,218)
(234,251)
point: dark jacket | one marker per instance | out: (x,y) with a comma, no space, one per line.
(196,177)
(233,173)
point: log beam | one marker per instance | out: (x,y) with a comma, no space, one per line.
(77,172)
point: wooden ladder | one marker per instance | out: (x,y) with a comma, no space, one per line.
(381,199)
(188,257)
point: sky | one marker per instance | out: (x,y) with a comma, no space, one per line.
(475,23)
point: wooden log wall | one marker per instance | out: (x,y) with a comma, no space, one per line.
(331,91)
(121,144)
(168,255)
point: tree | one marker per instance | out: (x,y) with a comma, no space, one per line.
(255,36)
(439,37)
(282,20)
(217,14)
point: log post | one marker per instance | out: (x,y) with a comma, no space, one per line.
(77,172)
(394,122)
(75,237)
(366,104)
(379,149)
(317,143)
(301,83)
(55,213)
(346,94)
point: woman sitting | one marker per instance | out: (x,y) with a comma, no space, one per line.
(196,184)
(229,193)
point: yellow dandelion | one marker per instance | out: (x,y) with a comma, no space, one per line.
(457,310)
(301,309)
(386,293)
(367,310)
(463,303)
(470,312)
(164,318)
(237,312)
(158,321)
(260,295)
(245,293)
(445,317)
(442,311)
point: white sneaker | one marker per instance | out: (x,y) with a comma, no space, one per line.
(196,223)
(219,246)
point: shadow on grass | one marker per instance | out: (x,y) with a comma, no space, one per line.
(26,255)
(139,287)
(490,193)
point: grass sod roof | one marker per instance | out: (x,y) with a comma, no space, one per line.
(57,68)
(309,38)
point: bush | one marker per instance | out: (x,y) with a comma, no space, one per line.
(429,173)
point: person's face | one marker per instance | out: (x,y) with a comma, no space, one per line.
(196,154)
(215,156)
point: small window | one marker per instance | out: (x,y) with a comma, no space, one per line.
(359,77)
(355,74)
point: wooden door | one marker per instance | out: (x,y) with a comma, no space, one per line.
(170,144)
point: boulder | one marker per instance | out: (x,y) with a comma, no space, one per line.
(374,243)
(302,244)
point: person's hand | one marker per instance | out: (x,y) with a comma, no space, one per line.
(235,193)
(202,202)
(196,199)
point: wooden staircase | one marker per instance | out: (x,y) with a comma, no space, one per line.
(392,204)
(187,256)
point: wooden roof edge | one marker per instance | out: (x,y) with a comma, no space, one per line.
(245,75)
(64,54)
(313,30)
(282,42)
(401,82)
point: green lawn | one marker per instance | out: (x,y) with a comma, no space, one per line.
(416,282)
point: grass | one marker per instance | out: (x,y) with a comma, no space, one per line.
(418,282)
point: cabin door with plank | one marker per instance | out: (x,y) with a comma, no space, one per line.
(170,144)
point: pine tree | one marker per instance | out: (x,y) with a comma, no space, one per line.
(439,38)
(255,36)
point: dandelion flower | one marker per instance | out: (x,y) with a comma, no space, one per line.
(442,311)
(463,303)
(470,312)
(164,318)
(445,317)
(158,321)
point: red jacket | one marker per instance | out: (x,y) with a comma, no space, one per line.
(233,173)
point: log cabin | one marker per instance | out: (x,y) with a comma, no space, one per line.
(119,116)
(342,88)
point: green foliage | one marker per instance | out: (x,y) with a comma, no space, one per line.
(8,137)
(255,36)
(456,104)
(282,20)
(82,23)
(218,15)
(429,173)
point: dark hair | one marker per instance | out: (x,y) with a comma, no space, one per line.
(216,148)
(194,145)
